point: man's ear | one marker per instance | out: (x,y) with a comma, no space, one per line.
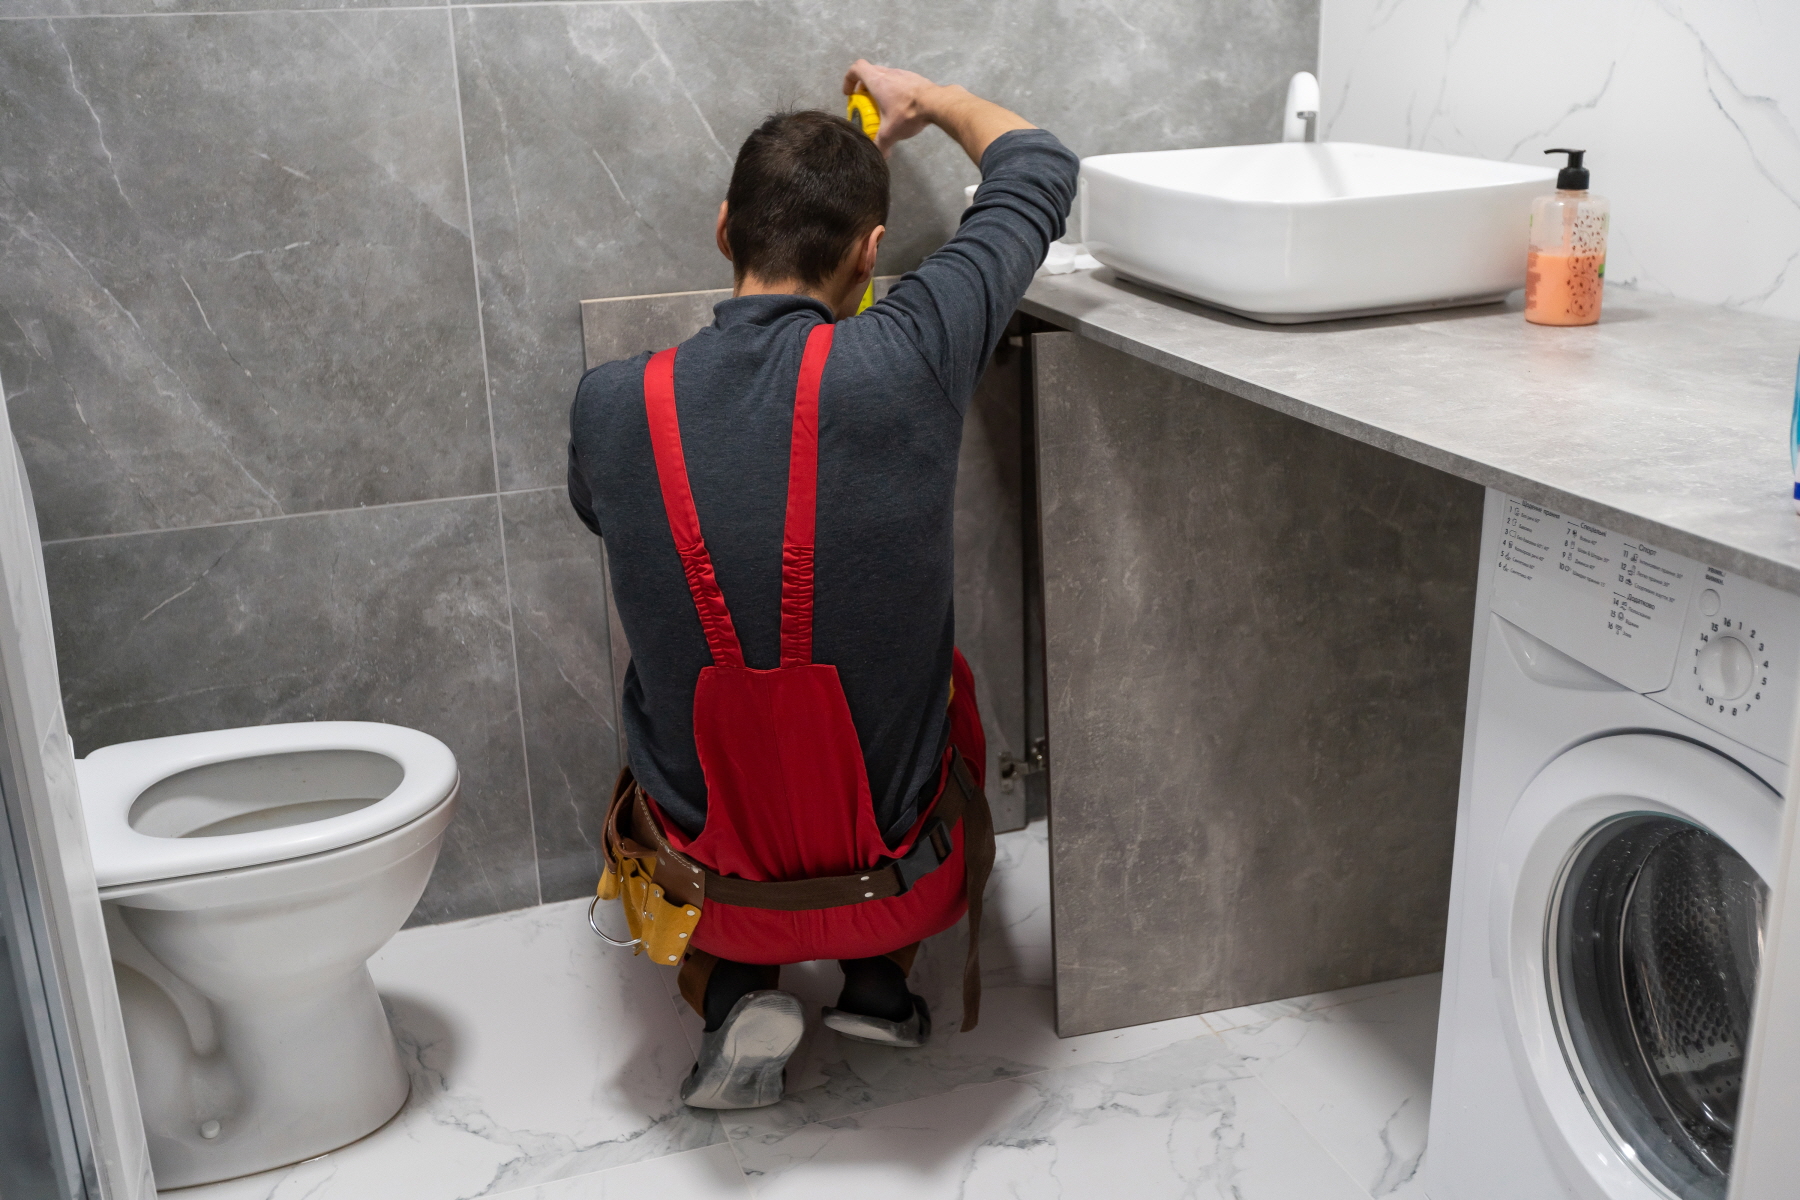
(871,245)
(719,234)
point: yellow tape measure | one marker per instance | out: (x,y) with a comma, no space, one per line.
(861,111)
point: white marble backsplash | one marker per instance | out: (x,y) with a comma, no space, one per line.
(1690,113)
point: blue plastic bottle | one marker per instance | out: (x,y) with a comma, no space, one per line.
(1794,441)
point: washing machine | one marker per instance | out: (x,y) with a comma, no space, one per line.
(1619,825)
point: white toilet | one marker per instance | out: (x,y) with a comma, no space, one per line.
(247,876)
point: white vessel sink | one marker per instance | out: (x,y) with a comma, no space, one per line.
(1299,231)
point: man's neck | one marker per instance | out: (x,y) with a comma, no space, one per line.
(828,295)
(750,285)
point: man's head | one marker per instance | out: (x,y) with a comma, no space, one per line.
(806,194)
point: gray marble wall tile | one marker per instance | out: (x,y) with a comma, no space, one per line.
(560,621)
(1257,645)
(235,270)
(392,614)
(600,137)
(96,8)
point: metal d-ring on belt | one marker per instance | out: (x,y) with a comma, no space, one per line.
(606,937)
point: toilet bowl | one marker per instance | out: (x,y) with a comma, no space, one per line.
(247,875)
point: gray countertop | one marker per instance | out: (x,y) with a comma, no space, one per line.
(1667,421)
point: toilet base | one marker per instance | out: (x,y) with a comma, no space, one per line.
(256,1035)
(281,1082)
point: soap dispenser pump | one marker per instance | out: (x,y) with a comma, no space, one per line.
(1567,262)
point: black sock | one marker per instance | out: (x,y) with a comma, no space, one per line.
(875,987)
(731,982)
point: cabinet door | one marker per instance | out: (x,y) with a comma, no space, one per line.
(1257,652)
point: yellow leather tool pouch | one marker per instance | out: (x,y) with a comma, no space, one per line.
(655,924)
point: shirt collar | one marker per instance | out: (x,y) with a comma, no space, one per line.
(765,310)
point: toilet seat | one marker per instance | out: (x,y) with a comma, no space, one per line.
(113,778)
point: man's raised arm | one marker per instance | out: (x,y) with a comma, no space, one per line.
(909,102)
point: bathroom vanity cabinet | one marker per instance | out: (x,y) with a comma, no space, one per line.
(1259,556)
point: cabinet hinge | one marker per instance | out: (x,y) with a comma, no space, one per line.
(1014,769)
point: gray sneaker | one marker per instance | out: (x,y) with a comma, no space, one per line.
(741,1062)
(914,1031)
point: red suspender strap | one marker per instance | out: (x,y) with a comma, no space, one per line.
(684,521)
(802,504)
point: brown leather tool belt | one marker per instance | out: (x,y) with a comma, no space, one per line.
(683,879)
(632,832)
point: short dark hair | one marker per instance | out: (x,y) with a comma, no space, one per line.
(807,185)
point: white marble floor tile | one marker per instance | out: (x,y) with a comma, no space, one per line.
(537,1053)
(834,1077)
(830,1076)
(1183,1121)
(1357,1075)
(710,1173)
(546,1065)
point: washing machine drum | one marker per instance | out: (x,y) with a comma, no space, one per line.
(1656,941)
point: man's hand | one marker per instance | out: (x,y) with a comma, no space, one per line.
(900,95)
(909,102)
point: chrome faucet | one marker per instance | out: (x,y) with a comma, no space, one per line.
(1300,115)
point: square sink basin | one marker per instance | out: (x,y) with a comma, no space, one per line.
(1300,231)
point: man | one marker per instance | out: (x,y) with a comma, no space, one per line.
(776,496)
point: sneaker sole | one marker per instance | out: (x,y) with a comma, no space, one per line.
(908,1034)
(743,1067)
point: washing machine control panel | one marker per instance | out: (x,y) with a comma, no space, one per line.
(1612,602)
(1739,652)
(1707,643)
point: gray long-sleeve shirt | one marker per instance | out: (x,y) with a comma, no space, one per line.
(891,410)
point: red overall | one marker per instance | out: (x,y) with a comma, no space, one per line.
(787,794)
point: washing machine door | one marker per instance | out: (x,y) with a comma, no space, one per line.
(1628,913)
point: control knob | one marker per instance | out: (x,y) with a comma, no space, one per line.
(1726,668)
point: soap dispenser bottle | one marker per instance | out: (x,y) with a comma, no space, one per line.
(1567,262)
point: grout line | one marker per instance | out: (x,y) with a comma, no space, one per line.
(293,516)
(462,144)
(737,1157)
(653,295)
(512,633)
(888,279)
(365,8)
(1307,1131)
(487,386)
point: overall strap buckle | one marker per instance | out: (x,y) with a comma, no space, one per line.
(928,853)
